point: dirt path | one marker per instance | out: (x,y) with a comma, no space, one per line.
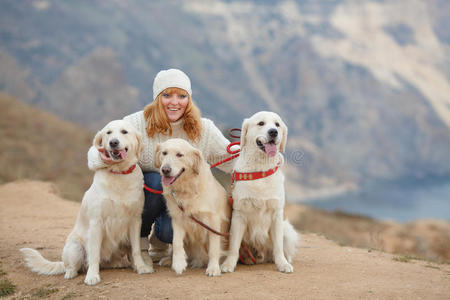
(33,215)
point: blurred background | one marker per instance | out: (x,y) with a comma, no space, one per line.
(364,87)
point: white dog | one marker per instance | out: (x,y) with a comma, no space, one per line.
(258,196)
(109,220)
(189,184)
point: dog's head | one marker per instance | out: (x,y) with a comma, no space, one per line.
(265,131)
(118,141)
(176,158)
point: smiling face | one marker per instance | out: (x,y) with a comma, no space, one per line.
(266,132)
(117,140)
(176,158)
(174,102)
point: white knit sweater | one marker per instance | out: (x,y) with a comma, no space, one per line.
(212,144)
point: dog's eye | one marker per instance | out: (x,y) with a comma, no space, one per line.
(164,153)
(109,132)
(179,154)
(124,131)
(277,124)
(261,123)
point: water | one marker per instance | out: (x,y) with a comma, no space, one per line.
(402,201)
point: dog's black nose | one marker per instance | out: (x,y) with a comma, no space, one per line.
(273,132)
(166,170)
(114,143)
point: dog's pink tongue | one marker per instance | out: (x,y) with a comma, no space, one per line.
(166,181)
(123,153)
(271,149)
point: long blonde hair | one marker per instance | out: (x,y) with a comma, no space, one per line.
(157,122)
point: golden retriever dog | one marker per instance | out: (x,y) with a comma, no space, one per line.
(188,183)
(258,196)
(109,219)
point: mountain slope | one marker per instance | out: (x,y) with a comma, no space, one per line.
(362,85)
(38,145)
(94,91)
(368,109)
(410,50)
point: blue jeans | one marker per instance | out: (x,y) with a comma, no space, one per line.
(155,210)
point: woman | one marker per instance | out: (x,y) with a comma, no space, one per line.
(172,114)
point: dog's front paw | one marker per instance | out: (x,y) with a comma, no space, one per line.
(70,273)
(146,258)
(213,270)
(228,265)
(92,279)
(285,267)
(144,269)
(179,265)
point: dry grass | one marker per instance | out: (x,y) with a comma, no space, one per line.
(6,286)
(44,292)
(37,145)
(405,258)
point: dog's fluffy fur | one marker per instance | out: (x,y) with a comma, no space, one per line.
(188,181)
(109,220)
(258,205)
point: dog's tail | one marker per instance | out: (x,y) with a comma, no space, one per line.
(291,240)
(37,263)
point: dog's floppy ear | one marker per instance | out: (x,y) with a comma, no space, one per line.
(244,132)
(98,140)
(196,161)
(157,158)
(139,146)
(284,131)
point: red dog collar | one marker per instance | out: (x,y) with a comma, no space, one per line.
(237,176)
(131,169)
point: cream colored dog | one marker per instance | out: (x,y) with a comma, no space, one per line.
(109,220)
(188,182)
(258,204)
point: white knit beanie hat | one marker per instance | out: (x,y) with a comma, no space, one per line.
(171,78)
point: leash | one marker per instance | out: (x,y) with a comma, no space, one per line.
(226,234)
(152,190)
(235,154)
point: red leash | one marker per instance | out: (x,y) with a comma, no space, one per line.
(152,190)
(204,225)
(226,234)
